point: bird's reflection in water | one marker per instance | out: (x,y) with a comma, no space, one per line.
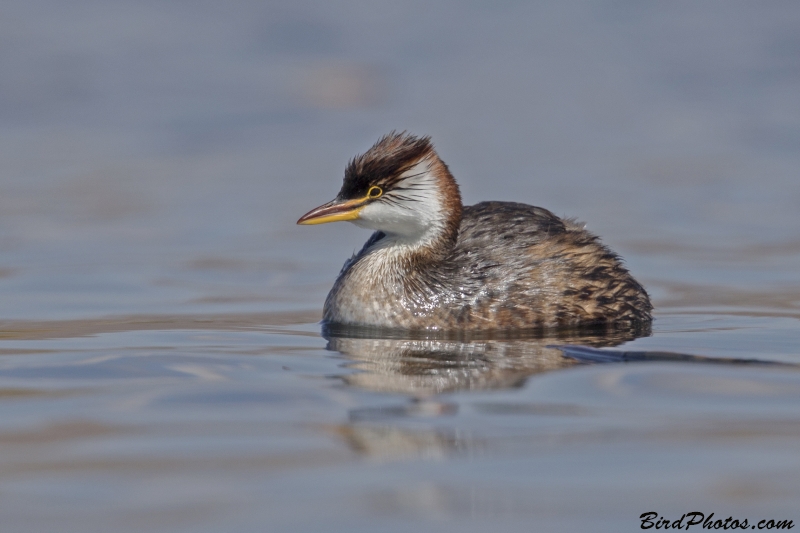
(422,364)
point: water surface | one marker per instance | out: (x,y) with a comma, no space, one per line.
(162,365)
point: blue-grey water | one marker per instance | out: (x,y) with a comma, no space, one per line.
(162,366)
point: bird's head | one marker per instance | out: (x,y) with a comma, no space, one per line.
(399,187)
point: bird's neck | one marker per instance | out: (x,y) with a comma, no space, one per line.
(437,237)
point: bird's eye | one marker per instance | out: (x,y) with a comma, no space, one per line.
(374,192)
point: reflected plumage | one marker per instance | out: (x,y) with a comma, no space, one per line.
(429,363)
(435,264)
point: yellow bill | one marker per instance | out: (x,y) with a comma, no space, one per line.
(335,211)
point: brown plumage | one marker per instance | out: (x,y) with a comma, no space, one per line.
(433,264)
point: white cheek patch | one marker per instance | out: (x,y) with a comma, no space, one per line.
(419,186)
(411,211)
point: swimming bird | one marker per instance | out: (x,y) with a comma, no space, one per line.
(435,264)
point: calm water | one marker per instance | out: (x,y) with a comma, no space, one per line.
(162,367)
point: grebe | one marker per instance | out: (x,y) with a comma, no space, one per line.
(434,264)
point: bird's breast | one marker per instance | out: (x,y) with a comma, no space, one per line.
(383,292)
